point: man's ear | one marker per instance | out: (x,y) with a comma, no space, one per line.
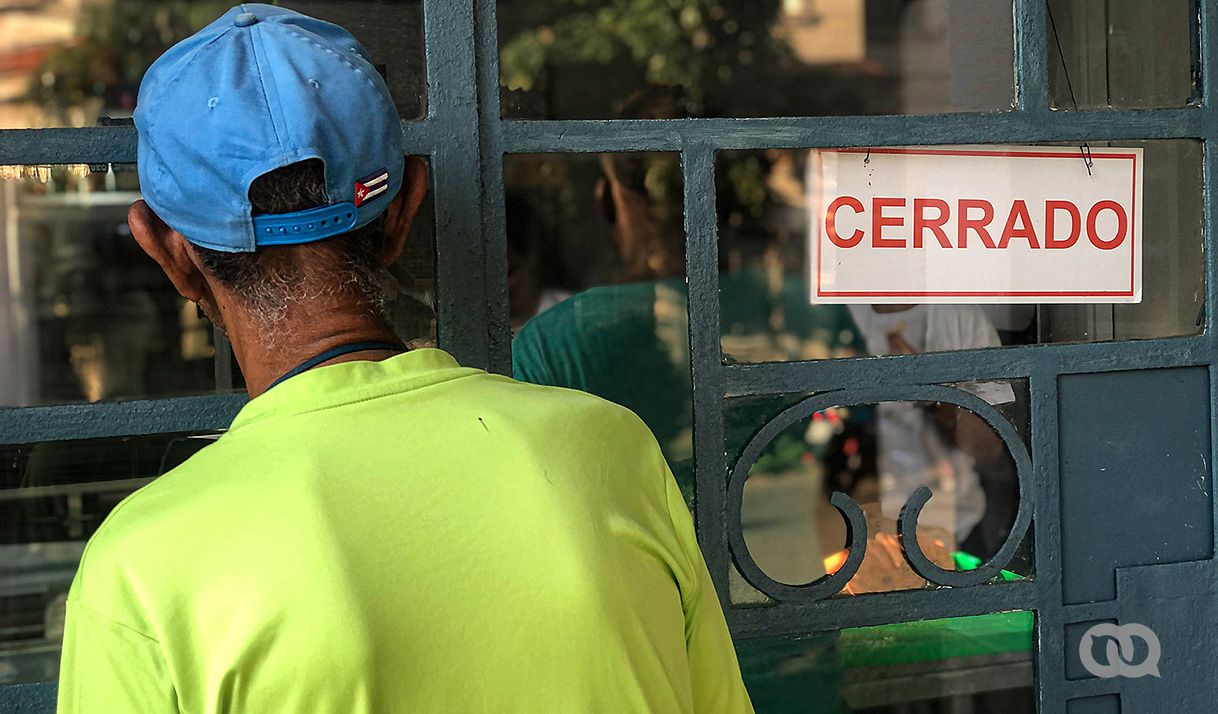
(168,248)
(400,214)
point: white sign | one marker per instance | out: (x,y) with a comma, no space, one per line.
(975,224)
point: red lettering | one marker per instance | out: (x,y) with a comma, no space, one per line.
(831,222)
(1122,225)
(1076,224)
(1019,212)
(1018,224)
(921,223)
(879,222)
(975,224)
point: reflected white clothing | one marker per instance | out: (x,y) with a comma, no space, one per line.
(912,452)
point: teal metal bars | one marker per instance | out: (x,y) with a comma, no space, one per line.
(466,140)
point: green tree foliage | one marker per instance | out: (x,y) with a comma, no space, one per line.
(695,44)
(724,54)
(117,41)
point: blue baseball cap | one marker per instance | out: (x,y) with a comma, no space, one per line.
(261,88)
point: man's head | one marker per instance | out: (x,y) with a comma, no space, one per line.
(273,174)
(269,287)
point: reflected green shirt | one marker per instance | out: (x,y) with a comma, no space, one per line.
(404,536)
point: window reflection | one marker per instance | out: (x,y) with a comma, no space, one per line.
(764,224)
(53,496)
(747,58)
(878,455)
(70,62)
(85,315)
(598,303)
(980,664)
(596,273)
(1121,54)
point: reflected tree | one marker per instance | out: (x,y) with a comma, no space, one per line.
(116,41)
(700,45)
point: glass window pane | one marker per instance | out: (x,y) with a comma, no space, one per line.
(747,58)
(392,32)
(768,256)
(981,663)
(410,286)
(596,279)
(878,455)
(1122,54)
(68,63)
(53,496)
(86,316)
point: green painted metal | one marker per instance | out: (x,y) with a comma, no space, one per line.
(466,140)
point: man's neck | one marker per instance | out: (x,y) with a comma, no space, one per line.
(306,332)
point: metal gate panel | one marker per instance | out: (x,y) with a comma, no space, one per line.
(466,141)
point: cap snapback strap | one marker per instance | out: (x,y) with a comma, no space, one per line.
(305,226)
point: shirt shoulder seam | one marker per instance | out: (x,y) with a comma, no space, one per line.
(101,529)
(78,602)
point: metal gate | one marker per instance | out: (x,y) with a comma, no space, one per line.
(1115,479)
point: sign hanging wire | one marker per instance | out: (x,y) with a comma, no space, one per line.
(1083,148)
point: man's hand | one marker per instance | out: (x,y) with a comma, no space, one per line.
(897,344)
(884,568)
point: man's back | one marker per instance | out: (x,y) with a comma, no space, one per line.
(405,535)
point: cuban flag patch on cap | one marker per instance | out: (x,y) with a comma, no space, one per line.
(371,186)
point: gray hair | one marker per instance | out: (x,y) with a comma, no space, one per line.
(273,280)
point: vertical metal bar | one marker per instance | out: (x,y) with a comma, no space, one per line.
(1208,67)
(1031,56)
(709,386)
(452,104)
(223,360)
(1195,51)
(1209,89)
(494,220)
(1049,650)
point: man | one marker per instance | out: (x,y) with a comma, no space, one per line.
(380,530)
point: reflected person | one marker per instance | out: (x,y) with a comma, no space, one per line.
(939,446)
(628,341)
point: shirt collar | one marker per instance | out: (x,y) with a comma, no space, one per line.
(347,382)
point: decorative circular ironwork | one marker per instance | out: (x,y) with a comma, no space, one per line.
(856,526)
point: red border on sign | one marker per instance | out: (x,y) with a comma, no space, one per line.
(1133,207)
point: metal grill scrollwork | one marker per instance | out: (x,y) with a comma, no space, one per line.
(852,513)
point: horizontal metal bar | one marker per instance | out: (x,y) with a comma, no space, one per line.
(117,144)
(96,145)
(33,698)
(1092,687)
(898,687)
(125,485)
(114,419)
(966,365)
(1091,611)
(1013,127)
(92,145)
(881,609)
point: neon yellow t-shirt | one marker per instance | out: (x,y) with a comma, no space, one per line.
(404,536)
